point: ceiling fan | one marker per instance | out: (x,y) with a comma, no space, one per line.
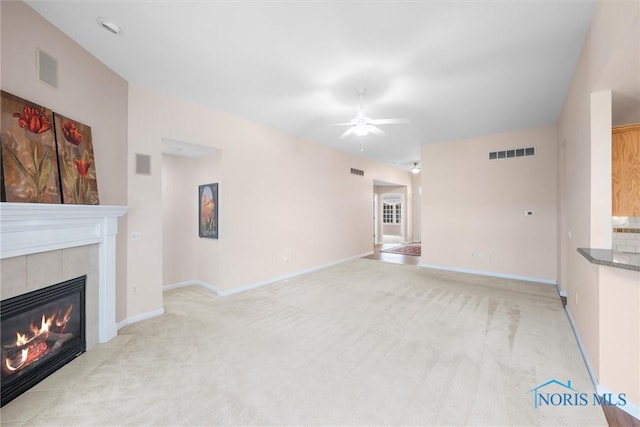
(362,125)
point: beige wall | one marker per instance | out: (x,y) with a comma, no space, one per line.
(88,92)
(179,211)
(280,197)
(473,208)
(619,331)
(599,298)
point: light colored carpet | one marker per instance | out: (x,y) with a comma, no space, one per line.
(360,343)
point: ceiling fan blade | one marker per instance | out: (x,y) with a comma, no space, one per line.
(388,121)
(376,131)
(346,133)
(343,124)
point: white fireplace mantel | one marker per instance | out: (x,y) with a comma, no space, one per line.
(28,228)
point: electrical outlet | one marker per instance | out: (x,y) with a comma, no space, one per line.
(136,235)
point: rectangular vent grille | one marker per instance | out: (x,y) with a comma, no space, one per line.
(516,152)
(357,172)
(47,68)
(143,164)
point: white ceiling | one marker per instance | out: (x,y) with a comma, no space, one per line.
(456,69)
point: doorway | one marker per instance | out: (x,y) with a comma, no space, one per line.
(393,216)
(390,215)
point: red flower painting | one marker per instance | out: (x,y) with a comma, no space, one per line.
(77,162)
(71,133)
(28,152)
(82,166)
(33,120)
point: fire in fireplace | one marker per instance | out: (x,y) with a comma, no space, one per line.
(41,332)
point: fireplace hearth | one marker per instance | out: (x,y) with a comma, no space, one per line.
(42,331)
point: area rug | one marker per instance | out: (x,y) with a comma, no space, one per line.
(405,250)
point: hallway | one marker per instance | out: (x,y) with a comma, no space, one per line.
(394,258)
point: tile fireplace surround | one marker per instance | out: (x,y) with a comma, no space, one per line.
(36,239)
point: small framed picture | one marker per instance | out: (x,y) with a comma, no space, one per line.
(208,211)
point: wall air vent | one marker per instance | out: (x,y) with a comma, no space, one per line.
(512,153)
(357,172)
(143,164)
(47,68)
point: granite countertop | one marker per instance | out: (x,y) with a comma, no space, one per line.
(611,258)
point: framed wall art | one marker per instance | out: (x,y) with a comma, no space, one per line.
(29,163)
(208,211)
(76,161)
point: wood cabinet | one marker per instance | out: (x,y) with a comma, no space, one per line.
(625,170)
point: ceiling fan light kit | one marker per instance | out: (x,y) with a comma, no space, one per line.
(416,168)
(360,129)
(362,125)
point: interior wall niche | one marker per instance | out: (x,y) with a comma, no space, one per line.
(188,258)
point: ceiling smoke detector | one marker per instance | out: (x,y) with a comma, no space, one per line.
(112,27)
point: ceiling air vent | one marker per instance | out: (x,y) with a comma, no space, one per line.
(357,172)
(515,152)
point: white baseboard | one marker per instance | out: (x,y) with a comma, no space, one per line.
(225,292)
(629,407)
(585,357)
(209,286)
(178,285)
(490,273)
(205,285)
(289,276)
(139,317)
(121,324)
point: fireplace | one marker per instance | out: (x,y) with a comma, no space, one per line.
(28,230)
(41,331)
